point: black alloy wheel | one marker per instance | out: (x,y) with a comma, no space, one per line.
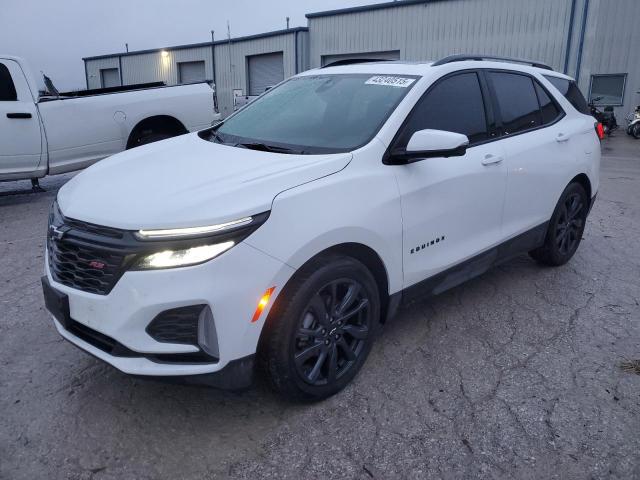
(332,332)
(565,227)
(321,328)
(570,224)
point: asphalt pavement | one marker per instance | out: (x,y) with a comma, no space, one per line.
(516,375)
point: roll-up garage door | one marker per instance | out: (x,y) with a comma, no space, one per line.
(191,72)
(110,77)
(265,71)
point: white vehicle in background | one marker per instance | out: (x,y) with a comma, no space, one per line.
(61,132)
(284,236)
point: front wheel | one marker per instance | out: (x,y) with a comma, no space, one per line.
(635,131)
(319,335)
(565,227)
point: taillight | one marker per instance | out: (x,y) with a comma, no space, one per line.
(599,130)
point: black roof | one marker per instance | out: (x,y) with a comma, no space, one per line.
(202,44)
(368,8)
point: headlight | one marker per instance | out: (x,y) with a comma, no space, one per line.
(183,257)
(193,231)
(181,247)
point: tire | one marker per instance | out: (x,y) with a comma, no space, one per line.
(565,227)
(635,131)
(150,136)
(309,349)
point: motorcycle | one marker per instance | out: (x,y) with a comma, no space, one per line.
(633,123)
(607,118)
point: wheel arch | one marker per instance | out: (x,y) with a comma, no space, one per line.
(162,123)
(364,254)
(584,181)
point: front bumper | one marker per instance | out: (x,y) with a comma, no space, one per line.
(231,285)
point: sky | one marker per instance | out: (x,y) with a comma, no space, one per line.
(53,36)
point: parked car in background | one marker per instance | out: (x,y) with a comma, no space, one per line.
(287,234)
(61,132)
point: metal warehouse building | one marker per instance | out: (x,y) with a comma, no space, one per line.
(594,41)
(240,66)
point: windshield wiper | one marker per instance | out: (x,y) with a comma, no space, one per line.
(268,148)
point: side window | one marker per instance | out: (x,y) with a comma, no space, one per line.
(517,101)
(550,111)
(571,92)
(454,104)
(7,89)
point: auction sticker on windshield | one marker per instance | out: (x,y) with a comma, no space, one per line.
(390,81)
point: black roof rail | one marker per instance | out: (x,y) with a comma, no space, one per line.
(353,61)
(464,57)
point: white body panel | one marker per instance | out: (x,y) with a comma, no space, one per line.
(74,132)
(471,203)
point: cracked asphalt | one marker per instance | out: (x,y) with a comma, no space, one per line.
(515,374)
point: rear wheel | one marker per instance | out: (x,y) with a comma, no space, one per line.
(565,228)
(149,136)
(319,335)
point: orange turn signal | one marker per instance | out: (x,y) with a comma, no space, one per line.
(264,301)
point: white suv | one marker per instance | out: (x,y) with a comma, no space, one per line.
(283,237)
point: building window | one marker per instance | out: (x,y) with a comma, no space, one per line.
(607,89)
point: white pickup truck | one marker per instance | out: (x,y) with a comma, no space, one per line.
(61,132)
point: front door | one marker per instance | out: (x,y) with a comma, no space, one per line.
(20,136)
(451,207)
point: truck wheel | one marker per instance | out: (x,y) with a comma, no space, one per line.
(565,228)
(319,335)
(149,136)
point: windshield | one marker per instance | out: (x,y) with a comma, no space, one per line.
(316,114)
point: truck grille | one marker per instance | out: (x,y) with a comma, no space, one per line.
(86,268)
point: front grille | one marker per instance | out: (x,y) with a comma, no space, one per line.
(87,268)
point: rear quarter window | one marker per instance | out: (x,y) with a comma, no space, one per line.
(571,92)
(7,88)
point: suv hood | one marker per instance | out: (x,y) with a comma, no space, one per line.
(187,181)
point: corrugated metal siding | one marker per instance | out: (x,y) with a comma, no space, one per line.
(93,68)
(153,67)
(231,64)
(518,28)
(611,46)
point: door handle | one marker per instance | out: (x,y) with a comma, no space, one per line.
(491,159)
(18,115)
(561,137)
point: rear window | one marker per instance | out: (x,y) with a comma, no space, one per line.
(571,92)
(517,101)
(7,89)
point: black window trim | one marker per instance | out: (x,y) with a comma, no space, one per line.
(489,110)
(501,135)
(492,112)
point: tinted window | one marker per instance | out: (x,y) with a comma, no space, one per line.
(571,92)
(7,89)
(550,111)
(517,101)
(454,104)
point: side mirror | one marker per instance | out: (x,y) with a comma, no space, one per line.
(430,143)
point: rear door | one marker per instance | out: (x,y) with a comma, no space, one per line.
(451,207)
(20,134)
(536,142)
